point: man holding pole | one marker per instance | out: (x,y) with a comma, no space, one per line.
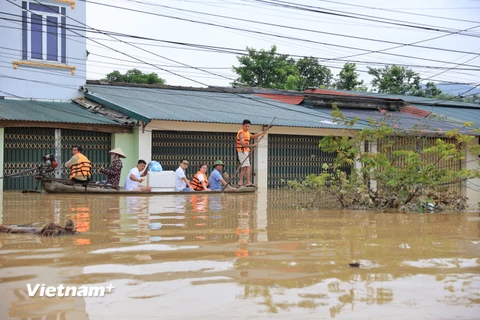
(243,149)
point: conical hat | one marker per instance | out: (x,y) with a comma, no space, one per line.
(118,151)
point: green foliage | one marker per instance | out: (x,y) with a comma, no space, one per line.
(431,90)
(348,78)
(268,69)
(412,174)
(312,74)
(396,80)
(134,76)
(265,69)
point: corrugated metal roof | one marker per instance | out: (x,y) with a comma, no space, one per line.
(45,111)
(415,111)
(410,99)
(282,98)
(405,121)
(210,107)
(460,115)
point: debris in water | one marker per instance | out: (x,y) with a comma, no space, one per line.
(354,264)
(50,230)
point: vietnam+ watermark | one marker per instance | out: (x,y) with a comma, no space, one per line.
(43,290)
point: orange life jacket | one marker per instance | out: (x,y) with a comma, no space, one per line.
(196,184)
(246,140)
(199,204)
(83,168)
(80,215)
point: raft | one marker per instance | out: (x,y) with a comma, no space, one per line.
(53,185)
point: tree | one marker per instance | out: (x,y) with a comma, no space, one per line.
(431,90)
(265,69)
(411,176)
(134,76)
(268,69)
(396,80)
(348,78)
(312,74)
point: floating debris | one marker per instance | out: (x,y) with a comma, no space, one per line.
(354,264)
(50,230)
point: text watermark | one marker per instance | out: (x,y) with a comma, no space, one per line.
(68,291)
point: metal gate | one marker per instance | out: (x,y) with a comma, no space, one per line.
(294,157)
(24,148)
(95,147)
(169,147)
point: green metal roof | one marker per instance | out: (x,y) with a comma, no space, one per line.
(461,115)
(45,111)
(409,99)
(205,106)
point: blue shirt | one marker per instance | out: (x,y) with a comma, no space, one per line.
(214,180)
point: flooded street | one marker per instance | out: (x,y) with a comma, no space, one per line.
(237,257)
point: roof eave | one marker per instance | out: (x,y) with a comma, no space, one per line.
(116,107)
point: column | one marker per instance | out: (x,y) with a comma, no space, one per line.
(261,164)
(262,206)
(144,142)
(372,147)
(2,148)
(58,152)
(143,139)
(471,188)
(358,165)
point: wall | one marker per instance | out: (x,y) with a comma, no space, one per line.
(471,188)
(126,142)
(42,82)
(219,127)
(2,145)
(261,155)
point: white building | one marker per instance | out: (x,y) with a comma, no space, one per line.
(43,52)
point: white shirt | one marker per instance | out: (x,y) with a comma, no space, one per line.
(129,183)
(179,183)
(201,177)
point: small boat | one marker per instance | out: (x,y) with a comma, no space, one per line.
(53,185)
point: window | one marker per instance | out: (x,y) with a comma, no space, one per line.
(43,32)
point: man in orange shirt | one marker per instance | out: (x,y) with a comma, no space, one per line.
(243,149)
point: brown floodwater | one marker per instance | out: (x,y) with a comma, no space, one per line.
(237,257)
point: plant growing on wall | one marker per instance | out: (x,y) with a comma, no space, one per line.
(412,169)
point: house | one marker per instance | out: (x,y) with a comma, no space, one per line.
(43,66)
(200,124)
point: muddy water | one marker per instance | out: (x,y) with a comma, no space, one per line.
(237,257)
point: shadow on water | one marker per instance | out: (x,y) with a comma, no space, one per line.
(237,256)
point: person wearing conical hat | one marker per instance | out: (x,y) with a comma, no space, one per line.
(115,170)
(216,179)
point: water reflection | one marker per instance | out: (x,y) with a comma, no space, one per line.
(253,255)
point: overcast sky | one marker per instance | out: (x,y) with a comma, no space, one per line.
(327,47)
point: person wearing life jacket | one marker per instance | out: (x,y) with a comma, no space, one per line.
(81,167)
(243,149)
(200,180)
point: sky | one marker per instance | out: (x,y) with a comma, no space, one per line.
(452,28)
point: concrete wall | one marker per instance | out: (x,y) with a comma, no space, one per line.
(2,149)
(127,143)
(218,127)
(42,82)
(261,153)
(471,188)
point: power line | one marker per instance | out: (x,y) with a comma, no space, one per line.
(397,11)
(363,17)
(288,37)
(109,33)
(291,27)
(127,54)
